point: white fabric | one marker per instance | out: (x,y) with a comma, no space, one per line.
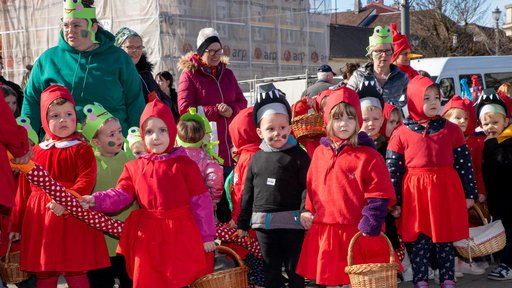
(204,34)
(492,108)
(370,101)
(59,144)
(272,108)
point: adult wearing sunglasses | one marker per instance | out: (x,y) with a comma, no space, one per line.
(87,62)
(389,80)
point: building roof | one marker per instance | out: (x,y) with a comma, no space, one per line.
(348,41)
(350,17)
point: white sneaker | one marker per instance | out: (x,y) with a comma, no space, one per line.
(471,268)
(482,264)
(407,274)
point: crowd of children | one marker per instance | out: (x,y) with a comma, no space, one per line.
(294,204)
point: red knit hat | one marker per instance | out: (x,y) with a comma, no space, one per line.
(49,95)
(347,95)
(400,42)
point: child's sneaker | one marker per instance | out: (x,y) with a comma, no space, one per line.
(502,272)
(421,284)
(482,264)
(471,268)
(448,284)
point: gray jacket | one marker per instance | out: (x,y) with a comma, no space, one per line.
(394,90)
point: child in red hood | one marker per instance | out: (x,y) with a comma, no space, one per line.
(49,240)
(462,112)
(348,190)
(163,241)
(432,173)
(392,119)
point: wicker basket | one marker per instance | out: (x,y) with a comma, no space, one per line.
(372,275)
(10,267)
(234,277)
(308,125)
(483,240)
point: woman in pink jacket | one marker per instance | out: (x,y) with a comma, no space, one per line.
(207,82)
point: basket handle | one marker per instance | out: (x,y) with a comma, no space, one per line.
(8,251)
(353,241)
(295,107)
(230,252)
(480,213)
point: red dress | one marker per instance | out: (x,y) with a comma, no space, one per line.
(161,241)
(338,187)
(476,148)
(58,243)
(433,200)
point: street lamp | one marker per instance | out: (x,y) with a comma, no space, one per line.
(496,13)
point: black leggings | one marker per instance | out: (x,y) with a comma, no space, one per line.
(281,247)
(104,278)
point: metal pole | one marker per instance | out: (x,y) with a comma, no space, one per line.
(404,18)
(497,37)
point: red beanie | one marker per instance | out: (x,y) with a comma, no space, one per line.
(400,42)
(465,104)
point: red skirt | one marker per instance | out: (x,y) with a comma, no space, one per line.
(58,243)
(162,248)
(433,203)
(325,249)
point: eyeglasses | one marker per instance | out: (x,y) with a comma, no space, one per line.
(387,52)
(134,48)
(214,52)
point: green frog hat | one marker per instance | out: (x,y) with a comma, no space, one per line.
(192,115)
(96,116)
(381,35)
(75,9)
(25,123)
(133,136)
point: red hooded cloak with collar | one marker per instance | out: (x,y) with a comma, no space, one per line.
(415,93)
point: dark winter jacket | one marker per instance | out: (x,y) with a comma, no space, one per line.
(393,91)
(145,69)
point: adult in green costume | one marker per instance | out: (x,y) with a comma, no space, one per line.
(88,63)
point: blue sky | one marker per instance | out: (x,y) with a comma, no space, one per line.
(487,20)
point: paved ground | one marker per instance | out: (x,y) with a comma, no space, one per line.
(468,281)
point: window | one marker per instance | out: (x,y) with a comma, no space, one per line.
(222,10)
(258,34)
(222,29)
(494,80)
(289,36)
(447,89)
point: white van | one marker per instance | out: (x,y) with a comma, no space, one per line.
(492,71)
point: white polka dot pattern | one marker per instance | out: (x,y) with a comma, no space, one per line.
(39,177)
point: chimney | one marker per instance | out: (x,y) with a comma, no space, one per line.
(357,6)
